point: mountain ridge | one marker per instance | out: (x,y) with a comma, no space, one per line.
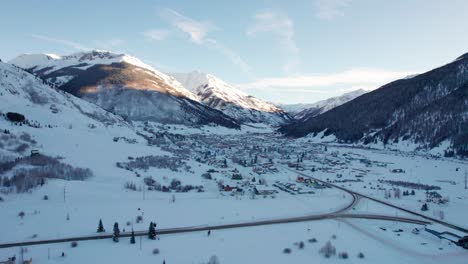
(220,95)
(124,85)
(403,110)
(323,106)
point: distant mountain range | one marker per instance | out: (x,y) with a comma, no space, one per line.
(293,109)
(428,109)
(311,110)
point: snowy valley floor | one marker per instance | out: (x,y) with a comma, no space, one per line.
(74,208)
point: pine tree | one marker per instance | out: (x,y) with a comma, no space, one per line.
(424,207)
(116,234)
(132,238)
(152,231)
(100,227)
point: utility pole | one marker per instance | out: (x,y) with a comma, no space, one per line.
(64,192)
(466,180)
(22,250)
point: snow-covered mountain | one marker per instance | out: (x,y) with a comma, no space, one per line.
(298,111)
(222,96)
(428,110)
(124,85)
(293,109)
(24,93)
(328,104)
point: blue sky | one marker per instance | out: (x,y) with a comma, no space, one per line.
(283,51)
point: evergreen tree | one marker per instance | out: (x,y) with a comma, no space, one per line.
(152,231)
(412,192)
(132,238)
(116,234)
(424,207)
(100,227)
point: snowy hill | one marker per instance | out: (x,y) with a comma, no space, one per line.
(24,93)
(123,85)
(222,96)
(328,104)
(55,122)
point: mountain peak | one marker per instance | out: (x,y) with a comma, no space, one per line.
(93,57)
(61,69)
(223,96)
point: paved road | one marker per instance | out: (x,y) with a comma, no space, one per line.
(341,213)
(354,201)
(456,227)
(219,227)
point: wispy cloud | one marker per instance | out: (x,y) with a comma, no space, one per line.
(64,42)
(230,54)
(198,33)
(156,34)
(330,9)
(357,78)
(196,30)
(109,44)
(282,27)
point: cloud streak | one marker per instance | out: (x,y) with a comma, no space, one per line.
(230,54)
(282,27)
(198,33)
(196,30)
(64,42)
(330,9)
(364,78)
